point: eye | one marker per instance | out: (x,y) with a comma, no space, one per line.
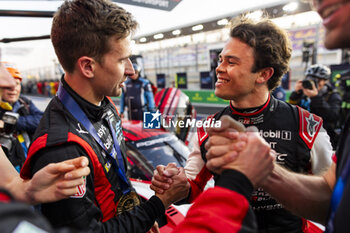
(232,62)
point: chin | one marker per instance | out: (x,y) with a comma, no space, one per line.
(222,95)
(336,40)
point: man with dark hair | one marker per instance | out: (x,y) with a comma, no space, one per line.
(92,42)
(251,65)
(324,198)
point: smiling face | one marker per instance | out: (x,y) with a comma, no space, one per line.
(336,20)
(6,80)
(113,69)
(11,95)
(235,78)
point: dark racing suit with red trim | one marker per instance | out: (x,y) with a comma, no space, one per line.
(301,143)
(61,137)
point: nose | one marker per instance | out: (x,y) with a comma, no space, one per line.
(129,69)
(220,68)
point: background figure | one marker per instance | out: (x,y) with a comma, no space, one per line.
(279,93)
(17,128)
(137,96)
(316,94)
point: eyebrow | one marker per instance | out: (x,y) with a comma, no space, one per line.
(230,56)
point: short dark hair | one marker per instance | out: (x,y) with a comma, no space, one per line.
(84,27)
(270,44)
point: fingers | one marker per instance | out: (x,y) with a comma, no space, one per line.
(81,161)
(68,184)
(215,164)
(228,122)
(67,166)
(252,129)
(227,133)
(216,140)
(161,179)
(159,183)
(66,192)
(77,173)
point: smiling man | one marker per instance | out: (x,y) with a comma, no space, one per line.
(252,63)
(324,198)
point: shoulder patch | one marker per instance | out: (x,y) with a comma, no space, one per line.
(309,126)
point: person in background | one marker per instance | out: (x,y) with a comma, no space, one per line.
(316,94)
(137,96)
(29,114)
(279,93)
(54,182)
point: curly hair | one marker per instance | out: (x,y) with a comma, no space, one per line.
(271,45)
(84,27)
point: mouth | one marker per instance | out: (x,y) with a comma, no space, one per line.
(222,80)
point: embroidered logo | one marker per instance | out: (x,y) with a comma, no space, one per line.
(311,125)
(80,130)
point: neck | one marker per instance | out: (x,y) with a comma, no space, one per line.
(251,101)
(83,88)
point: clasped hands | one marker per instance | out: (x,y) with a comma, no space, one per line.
(232,146)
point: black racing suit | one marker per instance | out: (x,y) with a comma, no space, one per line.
(287,129)
(61,137)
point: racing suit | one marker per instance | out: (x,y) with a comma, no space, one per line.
(326,105)
(59,137)
(138,97)
(301,145)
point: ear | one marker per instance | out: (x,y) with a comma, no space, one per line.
(86,66)
(265,74)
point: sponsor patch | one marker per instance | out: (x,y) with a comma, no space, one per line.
(81,190)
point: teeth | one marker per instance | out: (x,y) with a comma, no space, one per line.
(329,10)
(222,80)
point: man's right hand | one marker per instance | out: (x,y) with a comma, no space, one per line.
(248,152)
(170,184)
(255,160)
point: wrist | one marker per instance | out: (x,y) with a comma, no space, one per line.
(166,203)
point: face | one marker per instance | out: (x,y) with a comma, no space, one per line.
(336,20)
(6,80)
(235,79)
(11,95)
(321,83)
(114,68)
